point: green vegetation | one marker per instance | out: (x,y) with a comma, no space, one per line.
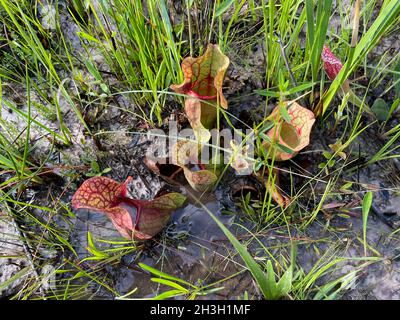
(81,79)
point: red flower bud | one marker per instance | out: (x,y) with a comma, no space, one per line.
(332,64)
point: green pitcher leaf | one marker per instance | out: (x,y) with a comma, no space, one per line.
(287,138)
(202,180)
(203,78)
(186,152)
(105,195)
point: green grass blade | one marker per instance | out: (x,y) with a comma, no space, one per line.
(366,206)
(381,25)
(223,7)
(253,266)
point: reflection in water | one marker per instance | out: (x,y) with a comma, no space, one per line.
(192,247)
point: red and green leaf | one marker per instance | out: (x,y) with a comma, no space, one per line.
(122,221)
(97,192)
(154,214)
(194,109)
(203,78)
(204,75)
(185,152)
(202,181)
(105,195)
(288,138)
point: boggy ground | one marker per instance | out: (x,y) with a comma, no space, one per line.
(194,249)
(330,252)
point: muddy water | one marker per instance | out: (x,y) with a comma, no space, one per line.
(192,247)
(381,280)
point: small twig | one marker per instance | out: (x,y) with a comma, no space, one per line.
(356,23)
(283,53)
(190,28)
(283,47)
(212,22)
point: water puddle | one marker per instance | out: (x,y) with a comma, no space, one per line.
(192,247)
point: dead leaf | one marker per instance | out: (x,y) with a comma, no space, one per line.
(272,187)
(337,147)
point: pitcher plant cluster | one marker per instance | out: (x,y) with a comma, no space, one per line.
(199,153)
